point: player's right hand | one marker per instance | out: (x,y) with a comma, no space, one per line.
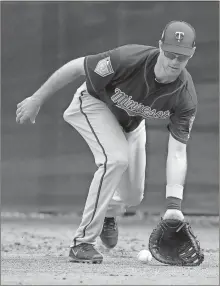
(27,110)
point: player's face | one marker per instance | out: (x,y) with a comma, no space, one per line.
(172,63)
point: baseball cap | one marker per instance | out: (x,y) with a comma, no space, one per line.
(178,37)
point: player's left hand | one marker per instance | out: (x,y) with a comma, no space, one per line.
(173,242)
(173,214)
(27,110)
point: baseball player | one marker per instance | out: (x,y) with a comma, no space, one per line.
(124,87)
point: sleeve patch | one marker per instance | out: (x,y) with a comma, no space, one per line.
(104,67)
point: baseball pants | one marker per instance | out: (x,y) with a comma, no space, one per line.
(120,158)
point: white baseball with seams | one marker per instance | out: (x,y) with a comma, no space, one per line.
(144,256)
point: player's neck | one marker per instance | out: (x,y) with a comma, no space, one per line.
(161,76)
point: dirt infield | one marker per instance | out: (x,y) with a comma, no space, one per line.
(35,252)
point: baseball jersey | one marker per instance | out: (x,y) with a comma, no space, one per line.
(124,79)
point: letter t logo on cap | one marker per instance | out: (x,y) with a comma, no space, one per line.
(179,36)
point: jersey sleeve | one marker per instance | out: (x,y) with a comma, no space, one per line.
(181,121)
(100,69)
(107,67)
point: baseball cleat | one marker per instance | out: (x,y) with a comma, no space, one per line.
(85,253)
(109,234)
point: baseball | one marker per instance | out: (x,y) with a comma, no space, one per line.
(144,256)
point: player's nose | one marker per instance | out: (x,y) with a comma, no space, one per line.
(175,61)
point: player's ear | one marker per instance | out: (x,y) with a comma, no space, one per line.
(194,49)
(160,43)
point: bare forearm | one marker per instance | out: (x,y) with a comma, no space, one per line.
(176,168)
(60,78)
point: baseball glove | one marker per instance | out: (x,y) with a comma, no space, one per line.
(173,242)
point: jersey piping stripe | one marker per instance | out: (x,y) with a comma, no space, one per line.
(87,73)
(104,172)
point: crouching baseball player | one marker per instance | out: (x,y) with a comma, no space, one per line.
(124,87)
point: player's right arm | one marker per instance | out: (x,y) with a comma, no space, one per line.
(29,107)
(99,69)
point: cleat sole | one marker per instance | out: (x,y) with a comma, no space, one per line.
(94,261)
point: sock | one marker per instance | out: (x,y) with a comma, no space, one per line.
(173,203)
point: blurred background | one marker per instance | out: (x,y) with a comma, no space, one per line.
(47,166)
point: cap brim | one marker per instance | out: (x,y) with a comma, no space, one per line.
(177,49)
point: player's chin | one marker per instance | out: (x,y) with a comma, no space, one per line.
(173,69)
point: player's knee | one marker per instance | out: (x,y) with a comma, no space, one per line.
(66,115)
(119,160)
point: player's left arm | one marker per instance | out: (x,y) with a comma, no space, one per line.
(176,168)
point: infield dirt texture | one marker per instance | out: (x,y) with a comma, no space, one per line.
(35,252)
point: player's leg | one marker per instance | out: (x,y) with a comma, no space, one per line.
(137,166)
(130,191)
(99,127)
